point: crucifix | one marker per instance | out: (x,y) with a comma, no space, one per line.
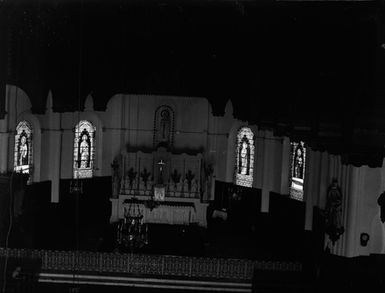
(161,164)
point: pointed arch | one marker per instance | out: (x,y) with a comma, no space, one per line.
(84,149)
(244,167)
(297,169)
(23,150)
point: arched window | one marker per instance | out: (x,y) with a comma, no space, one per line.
(297,172)
(164,126)
(23,148)
(244,166)
(84,149)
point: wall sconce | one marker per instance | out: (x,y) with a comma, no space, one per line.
(364,238)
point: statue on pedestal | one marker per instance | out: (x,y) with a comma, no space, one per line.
(333,212)
(381,203)
(23,150)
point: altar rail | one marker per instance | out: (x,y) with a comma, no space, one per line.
(156,265)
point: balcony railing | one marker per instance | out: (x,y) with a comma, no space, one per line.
(156,265)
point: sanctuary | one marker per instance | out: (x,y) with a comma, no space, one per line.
(174,152)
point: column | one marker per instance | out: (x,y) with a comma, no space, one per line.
(4,142)
(353,180)
(285,166)
(54,167)
(267,171)
(311,169)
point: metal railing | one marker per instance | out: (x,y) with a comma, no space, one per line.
(156,265)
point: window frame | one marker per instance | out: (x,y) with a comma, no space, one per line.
(84,127)
(245,180)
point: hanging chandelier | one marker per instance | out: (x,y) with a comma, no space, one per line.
(132,232)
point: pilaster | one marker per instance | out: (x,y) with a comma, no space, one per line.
(267,171)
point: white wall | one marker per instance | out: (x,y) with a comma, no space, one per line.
(369,211)
(127,121)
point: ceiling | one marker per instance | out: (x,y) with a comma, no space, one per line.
(310,70)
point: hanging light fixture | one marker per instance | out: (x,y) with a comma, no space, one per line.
(132,232)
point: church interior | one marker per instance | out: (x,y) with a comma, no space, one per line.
(209,145)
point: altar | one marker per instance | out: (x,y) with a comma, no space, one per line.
(167,212)
(168,188)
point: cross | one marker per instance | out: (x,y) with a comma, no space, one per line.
(161,164)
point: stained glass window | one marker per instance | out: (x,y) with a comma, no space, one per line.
(23,148)
(164,126)
(297,172)
(244,157)
(84,149)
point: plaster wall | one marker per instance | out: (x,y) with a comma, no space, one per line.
(368,212)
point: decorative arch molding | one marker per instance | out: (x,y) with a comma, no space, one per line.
(164,126)
(98,147)
(18,101)
(113,102)
(34,122)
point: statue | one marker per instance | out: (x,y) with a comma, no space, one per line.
(298,163)
(84,152)
(23,151)
(244,155)
(244,158)
(333,212)
(381,203)
(165,125)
